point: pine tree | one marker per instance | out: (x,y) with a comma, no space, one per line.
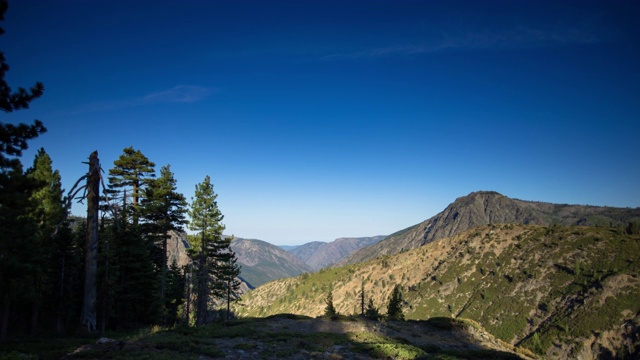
(17,235)
(135,300)
(130,252)
(329,310)
(164,210)
(175,292)
(66,275)
(206,219)
(372,311)
(132,170)
(394,308)
(226,274)
(47,212)
(48,194)
(107,270)
(362,298)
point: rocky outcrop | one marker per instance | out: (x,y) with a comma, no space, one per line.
(177,246)
(489,207)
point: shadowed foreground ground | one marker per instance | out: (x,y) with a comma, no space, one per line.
(289,337)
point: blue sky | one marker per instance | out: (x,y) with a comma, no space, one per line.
(322,119)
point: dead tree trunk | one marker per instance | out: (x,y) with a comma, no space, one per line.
(88,317)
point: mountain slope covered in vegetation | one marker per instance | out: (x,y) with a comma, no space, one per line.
(559,291)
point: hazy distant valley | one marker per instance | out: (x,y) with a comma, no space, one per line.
(262,262)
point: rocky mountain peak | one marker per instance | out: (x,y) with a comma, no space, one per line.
(489,207)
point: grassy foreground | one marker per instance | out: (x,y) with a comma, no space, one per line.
(280,337)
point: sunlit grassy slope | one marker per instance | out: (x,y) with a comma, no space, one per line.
(556,290)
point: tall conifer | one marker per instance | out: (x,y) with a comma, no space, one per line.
(206,219)
(47,213)
(226,275)
(18,231)
(132,171)
(164,210)
(394,307)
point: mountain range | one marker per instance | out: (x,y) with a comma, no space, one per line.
(489,207)
(262,262)
(318,255)
(561,280)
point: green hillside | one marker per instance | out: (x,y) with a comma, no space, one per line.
(559,291)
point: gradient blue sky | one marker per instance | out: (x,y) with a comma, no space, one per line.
(322,119)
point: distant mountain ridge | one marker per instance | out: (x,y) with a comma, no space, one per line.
(489,207)
(263,262)
(318,255)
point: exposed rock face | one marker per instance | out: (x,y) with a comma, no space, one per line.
(320,254)
(489,207)
(177,246)
(262,262)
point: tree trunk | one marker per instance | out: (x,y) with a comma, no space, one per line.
(5,317)
(59,316)
(187,277)
(228,300)
(106,298)
(163,276)
(88,317)
(35,313)
(201,300)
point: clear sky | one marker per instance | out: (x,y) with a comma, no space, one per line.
(323,119)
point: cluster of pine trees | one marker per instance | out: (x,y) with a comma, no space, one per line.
(44,281)
(109,271)
(394,305)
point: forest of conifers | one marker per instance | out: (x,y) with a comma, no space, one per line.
(60,273)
